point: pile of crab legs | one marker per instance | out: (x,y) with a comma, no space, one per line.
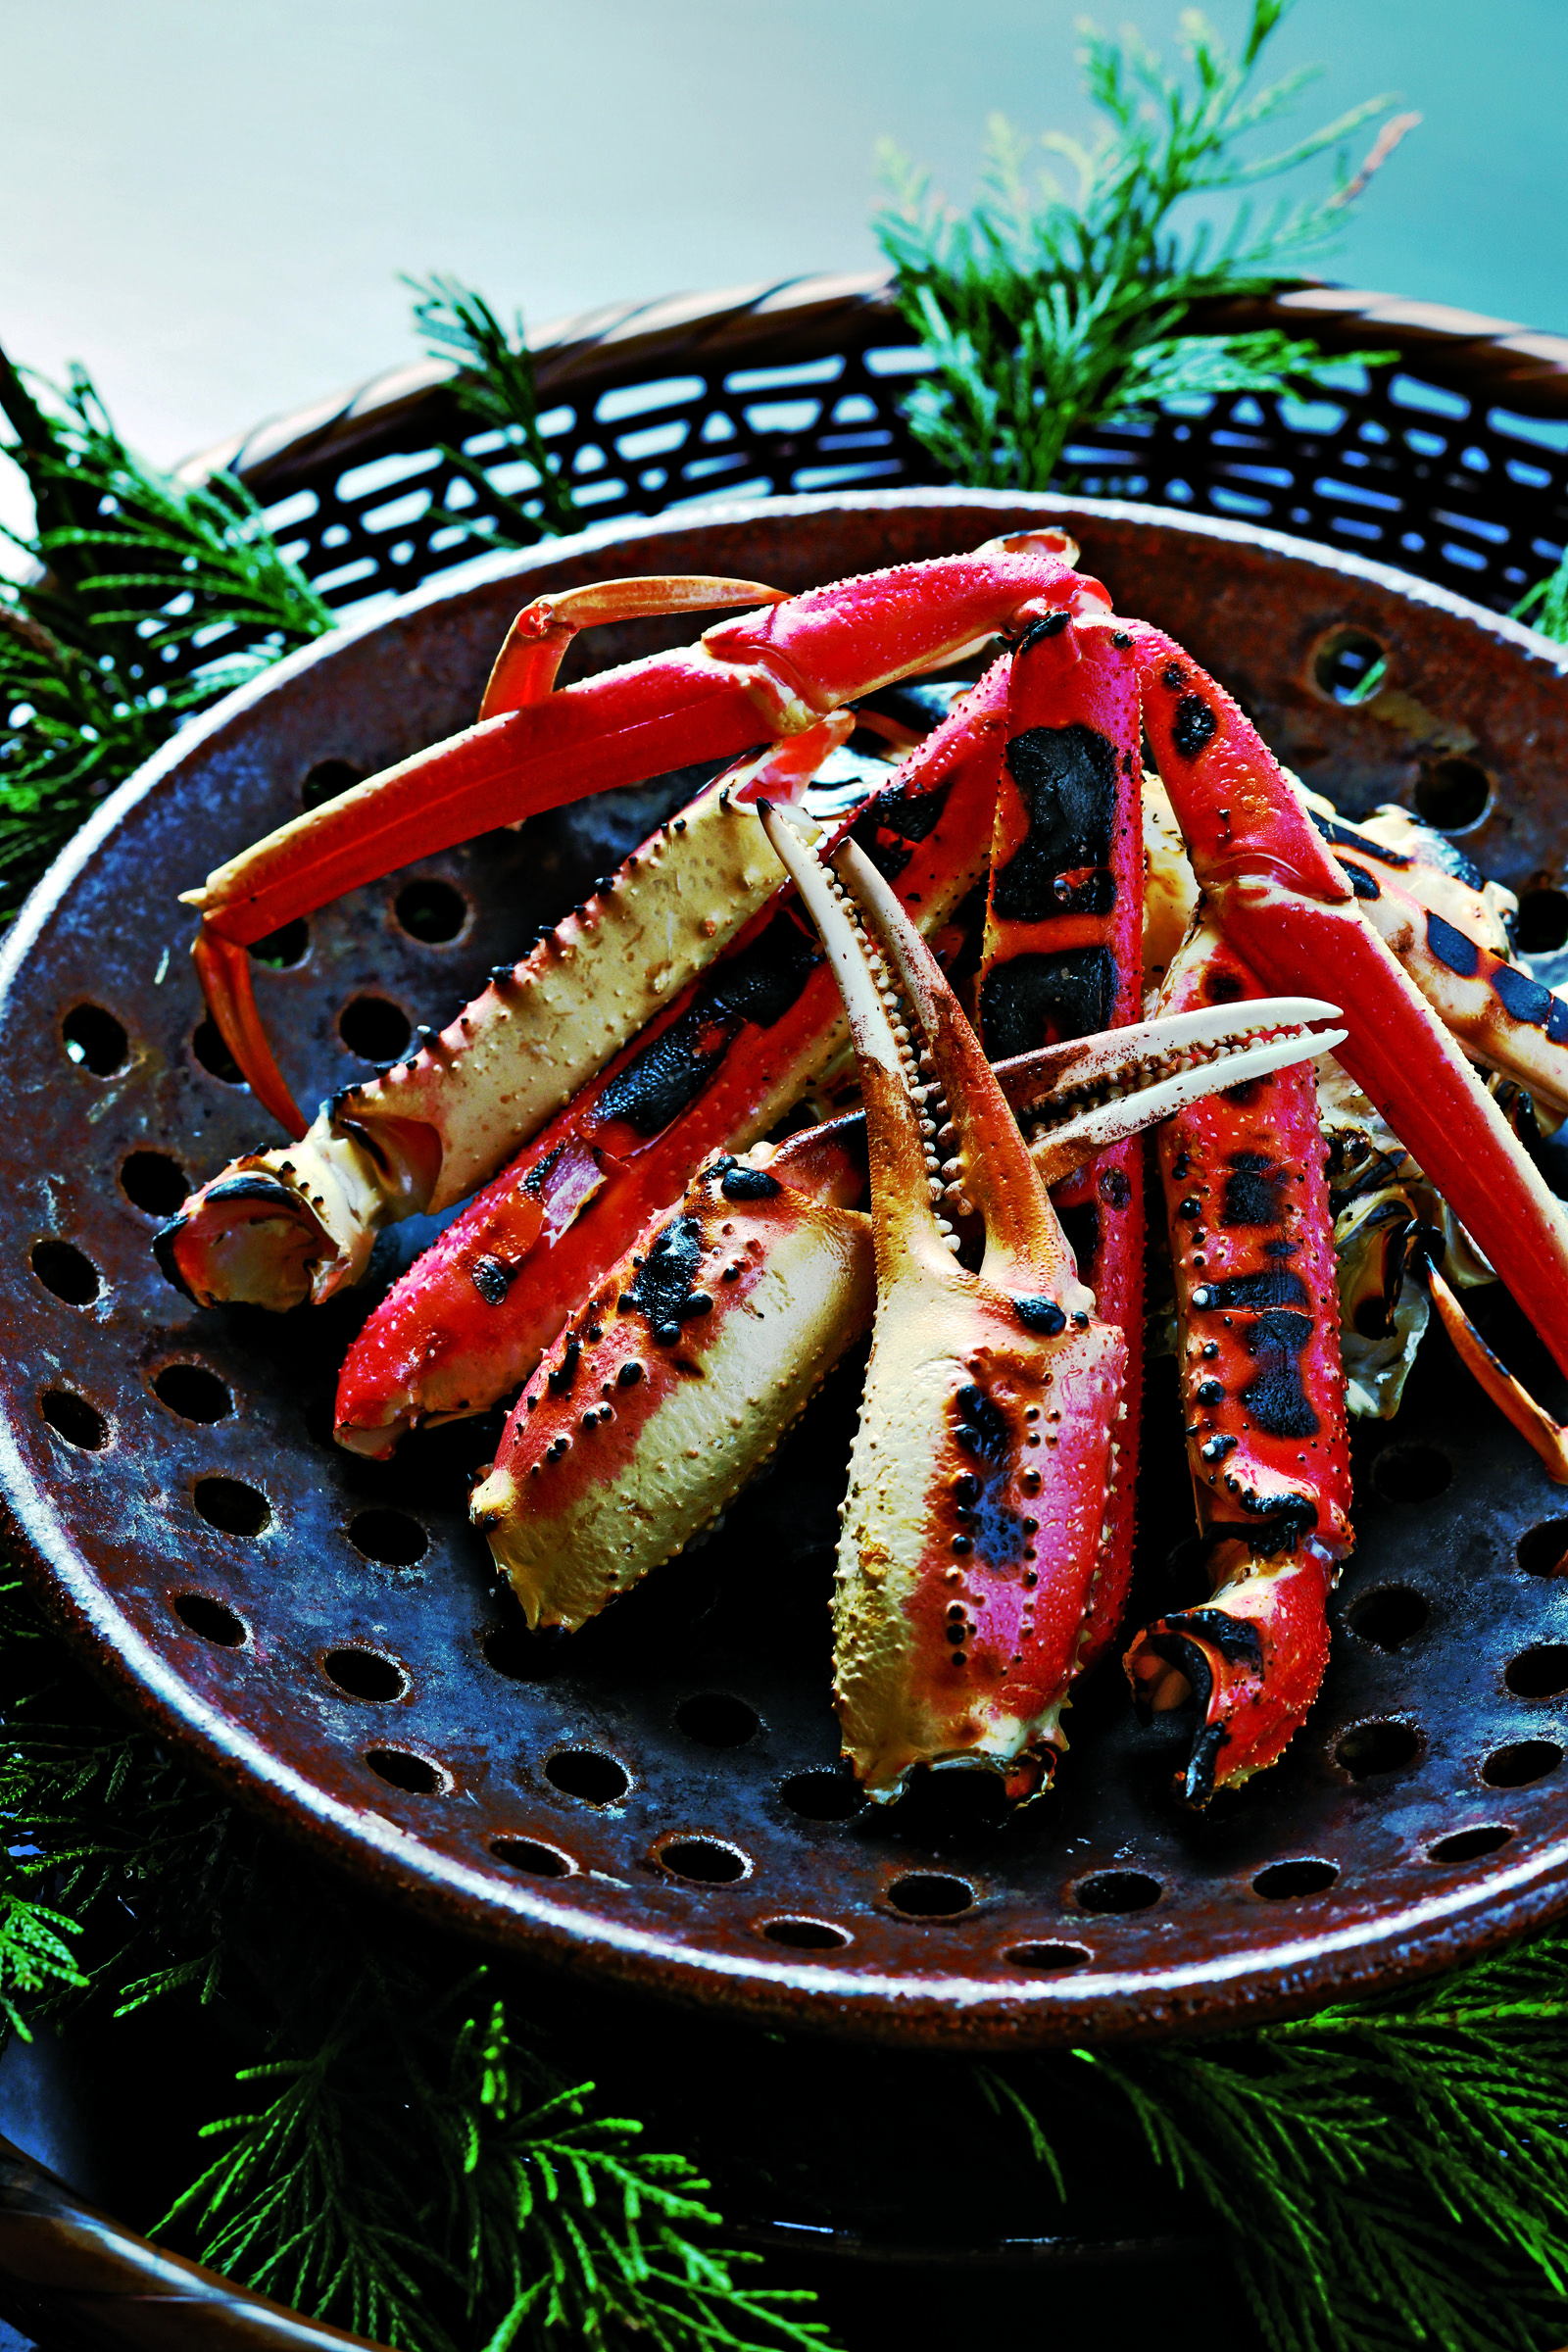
(670,1289)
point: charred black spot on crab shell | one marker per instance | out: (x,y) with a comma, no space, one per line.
(1275,1397)
(492,1279)
(1043,1316)
(986,1520)
(1526,999)
(563,1378)
(1361,881)
(1458,953)
(1269,1287)
(1193,727)
(1236,1639)
(665,1290)
(748,1184)
(1254,1188)
(164,1240)
(1114,1189)
(1033,1000)
(1066,779)
(1050,624)
(756,988)
(896,818)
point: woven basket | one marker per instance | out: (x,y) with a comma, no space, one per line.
(1452,464)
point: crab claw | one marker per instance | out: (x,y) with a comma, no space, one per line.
(1253,1661)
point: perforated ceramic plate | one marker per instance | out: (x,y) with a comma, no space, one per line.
(657,1797)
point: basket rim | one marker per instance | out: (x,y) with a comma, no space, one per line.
(1497,361)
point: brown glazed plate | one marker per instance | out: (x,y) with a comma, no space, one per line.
(656,1798)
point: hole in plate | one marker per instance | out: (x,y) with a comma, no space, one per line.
(1468,1845)
(522,1656)
(401,1768)
(527,1853)
(706,1861)
(1284,1880)
(1348,665)
(1541,923)
(431,911)
(73,1418)
(930,1895)
(1452,793)
(390,1536)
(1544,1549)
(1369,1748)
(583,1773)
(153,1181)
(1539,1673)
(805,1935)
(1516,1767)
(231,1505)
(208,1046)
(327,779)
(1116,1890)
(1411,1473)
(825,1795)
(281,949)
(364,1674)
(1044,1959)
(375,1029)
(193,1392)
(95,1040)
(67,1271)
(1388,1617)
(212,1619)
(716,1719)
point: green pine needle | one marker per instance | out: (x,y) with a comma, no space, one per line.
(494,382)
(1546,605)
(145,599)
(1045,312)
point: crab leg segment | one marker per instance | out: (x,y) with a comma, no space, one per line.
(423,1135)
(1285,905)
(673,1381)
(1063,953)
(772,675)
(676,1380)
(985,1451)
(719,1069)
(1501,1015)
(1253,1254)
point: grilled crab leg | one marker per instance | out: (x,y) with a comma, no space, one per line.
(679,1371)
(974,1526)
(1257,1310)
(1063,957)
(770,674)
(1287,909)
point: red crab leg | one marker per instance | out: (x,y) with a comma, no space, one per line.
(677,1375)
(986,1449)
(1500,1014)
(744,681)
(729,1059)
(1257,1309)
(1285,904)
(1062,958)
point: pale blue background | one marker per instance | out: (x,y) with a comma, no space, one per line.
(208,200)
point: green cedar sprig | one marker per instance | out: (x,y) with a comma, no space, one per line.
(1383,2174)
(494,382)
(144,599)
(1043,312)
(1546,605)
(410,2162)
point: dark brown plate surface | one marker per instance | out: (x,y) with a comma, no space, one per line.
(656,1798)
